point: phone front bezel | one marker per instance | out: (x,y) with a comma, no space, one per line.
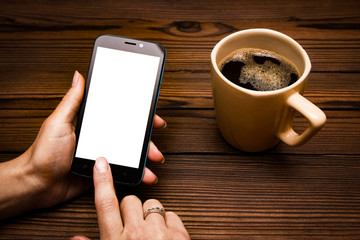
(122,174)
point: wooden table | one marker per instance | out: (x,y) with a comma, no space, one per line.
(307,192)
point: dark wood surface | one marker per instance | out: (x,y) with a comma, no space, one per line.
(307,192)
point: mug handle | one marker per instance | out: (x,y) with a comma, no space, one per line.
(312,113)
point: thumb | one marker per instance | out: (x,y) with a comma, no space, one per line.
(67,109)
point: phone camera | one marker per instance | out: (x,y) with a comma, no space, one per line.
(141,45)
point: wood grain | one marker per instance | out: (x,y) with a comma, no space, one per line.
(238,196)
(307,192)
(195,131)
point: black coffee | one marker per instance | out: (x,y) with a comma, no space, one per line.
(258,69)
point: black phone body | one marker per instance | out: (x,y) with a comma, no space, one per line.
(116,116)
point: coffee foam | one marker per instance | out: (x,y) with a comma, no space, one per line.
(270,72)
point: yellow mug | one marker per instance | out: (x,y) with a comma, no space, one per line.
(255,121)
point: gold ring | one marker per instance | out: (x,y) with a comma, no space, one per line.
(158,210)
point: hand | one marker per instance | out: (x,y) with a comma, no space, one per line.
(127,221)
(53,150)
(42,173)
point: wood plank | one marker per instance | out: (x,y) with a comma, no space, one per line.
(222,197)
(196,131)
(181,89)
(111,11)
(67,51)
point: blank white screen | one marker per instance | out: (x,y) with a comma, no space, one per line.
(117,107)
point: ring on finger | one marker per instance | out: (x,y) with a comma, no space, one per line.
(158,210)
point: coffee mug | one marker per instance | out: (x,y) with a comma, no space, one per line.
(255,121)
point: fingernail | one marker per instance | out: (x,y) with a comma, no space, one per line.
(102,165)
(163,160)
(157,180)
(165,125)
(75,78)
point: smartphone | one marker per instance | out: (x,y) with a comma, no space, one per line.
(116,116)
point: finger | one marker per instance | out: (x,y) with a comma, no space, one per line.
(67,109)
(149,177)
(154,154)
(176,226)
(159,122)
(154,218)
(131,211)
(107,205)
(79,238)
